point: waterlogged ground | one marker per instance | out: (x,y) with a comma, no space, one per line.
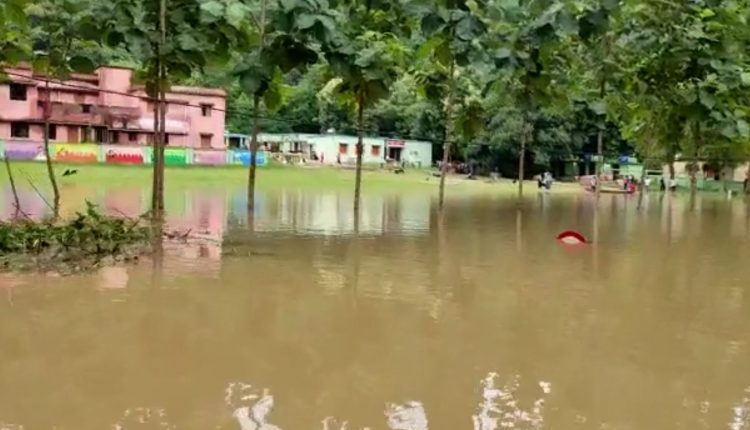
(474,320)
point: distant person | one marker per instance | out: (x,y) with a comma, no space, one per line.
(547,180)
(662,184)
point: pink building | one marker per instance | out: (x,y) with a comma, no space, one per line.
(105,107)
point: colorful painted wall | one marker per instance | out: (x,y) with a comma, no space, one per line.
(125,154)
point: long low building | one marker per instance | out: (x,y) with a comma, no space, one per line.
(339,148)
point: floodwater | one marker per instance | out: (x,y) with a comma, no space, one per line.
(476,319)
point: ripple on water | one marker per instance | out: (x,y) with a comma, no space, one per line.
(143,417)
(408,416)
(741,413)
(499,407)
(251,406)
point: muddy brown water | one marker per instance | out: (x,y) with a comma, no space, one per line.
(476,319)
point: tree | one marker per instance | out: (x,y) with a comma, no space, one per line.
(598,35)
(692,62)
(58,48)
(451,30)
(365,58)
(172,38)
(14,45)
(283,42)
(521,43)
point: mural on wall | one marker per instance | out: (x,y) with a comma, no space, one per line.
(75,153)
(116,154)
(175,156)
(126,154)
(24,151)
(209,157)
(243,158)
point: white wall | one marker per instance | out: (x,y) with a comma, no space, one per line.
(328,145)
(417,152)
(414,152)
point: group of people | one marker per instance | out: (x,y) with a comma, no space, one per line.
(630,184)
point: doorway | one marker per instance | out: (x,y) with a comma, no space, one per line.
(395,153)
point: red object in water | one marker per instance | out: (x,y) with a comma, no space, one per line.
(570,237)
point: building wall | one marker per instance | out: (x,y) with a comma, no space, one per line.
(419,153)
(186,123)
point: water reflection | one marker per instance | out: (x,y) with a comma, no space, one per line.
(143,418)
(643,331)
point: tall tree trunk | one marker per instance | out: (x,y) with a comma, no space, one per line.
(447,141)
(17,202)
(360,137)
(642,187)
(48,157)
(162,136)
(600,143)
(253,155)
(157,204)
(670,166)
(256,120)
(599,162)
(155,151)
(694,168)
(522,160)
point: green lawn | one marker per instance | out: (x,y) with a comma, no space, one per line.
(270,177)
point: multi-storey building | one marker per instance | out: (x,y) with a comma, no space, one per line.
(106,107)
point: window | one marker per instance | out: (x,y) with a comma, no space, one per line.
(17,92)
(206,110)
(99,134)
(206,140)
(114,137)
(166,139)
(85,134)
(343,148)
(86,108)
(52,130)
(19,129)
(375,151)
(132,137)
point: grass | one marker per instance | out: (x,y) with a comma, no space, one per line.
(270,177)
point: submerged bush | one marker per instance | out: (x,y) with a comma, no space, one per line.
(77,244)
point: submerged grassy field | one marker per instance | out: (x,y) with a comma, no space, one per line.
(269,177)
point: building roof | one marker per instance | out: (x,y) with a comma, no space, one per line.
(291,137)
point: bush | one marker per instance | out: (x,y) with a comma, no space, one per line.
(82,242)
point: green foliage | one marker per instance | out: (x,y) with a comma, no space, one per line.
(283,35)
(82,241)
(14,45)
(198,34)
(685,88)
(365,54)
(675,74)
(62,37)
